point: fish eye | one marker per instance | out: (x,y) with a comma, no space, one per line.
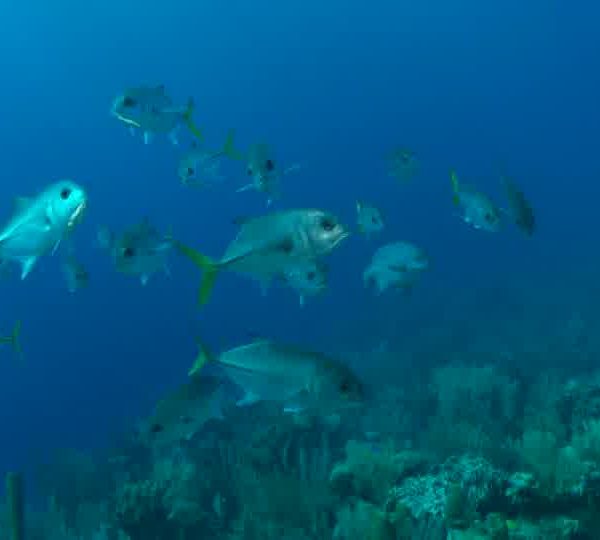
(156,428)
(65,194)
(269,165)
(489,217)
(249,171)
(128,252)
(344,387)
(311,276)
(190,171)
(328,224)
(374,220)
(186,420)
(128,102)
(287,246)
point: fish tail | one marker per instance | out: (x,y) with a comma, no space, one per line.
(14,340)
(229,146)
(455,187)
(203,357)
(207,266)
(189,121)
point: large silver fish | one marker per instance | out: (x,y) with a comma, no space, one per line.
(39,224)
(299,379)
(268,245)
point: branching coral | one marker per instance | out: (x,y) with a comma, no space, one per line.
(428,494)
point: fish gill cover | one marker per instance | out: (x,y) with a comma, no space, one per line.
(202,334)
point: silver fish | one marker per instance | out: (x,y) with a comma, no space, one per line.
(140,250)
(403,164)
(369,219)
(268,245)
(200,167)
(477,209)
(395,266)
(140,98)
(151,111)
(307,279)
(270,371)
(520,210)
(265,176)
(184,412)
(39,224)
(76,275)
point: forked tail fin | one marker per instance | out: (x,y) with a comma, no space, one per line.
(14,339)
(229,149)
(189,121)
(208,267)
(455,188)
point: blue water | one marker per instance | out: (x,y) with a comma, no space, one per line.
(331,85)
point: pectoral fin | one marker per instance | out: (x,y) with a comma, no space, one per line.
(27,265)
(247,400)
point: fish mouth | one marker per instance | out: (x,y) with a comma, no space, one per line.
(77,214)
(342,236)
(126,120)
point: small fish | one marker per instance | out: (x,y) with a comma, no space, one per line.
(520,210)
(477,209)
(14,340)
(200,167)
(403,165)
(150,111)
(396,266)
(299,379)
(39,224)
(184,412)
(308,278)
(267,246)
(265,176)
(76,275)
(369,219)
(140,250)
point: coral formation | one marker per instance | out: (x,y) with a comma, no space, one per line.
(479,455)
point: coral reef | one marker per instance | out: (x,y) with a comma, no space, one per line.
(493,457)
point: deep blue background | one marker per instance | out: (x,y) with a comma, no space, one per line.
(331,85)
